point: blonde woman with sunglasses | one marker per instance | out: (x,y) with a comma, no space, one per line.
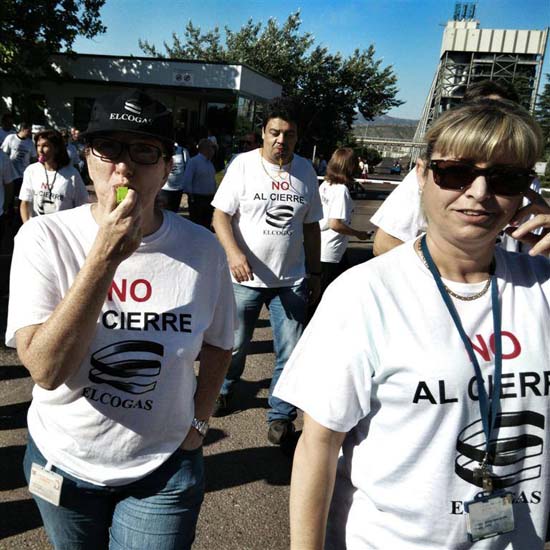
(428,367)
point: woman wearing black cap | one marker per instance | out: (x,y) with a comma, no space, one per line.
(108,311)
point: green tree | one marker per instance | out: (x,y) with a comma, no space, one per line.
(328,86)
(542,114)
(32,30)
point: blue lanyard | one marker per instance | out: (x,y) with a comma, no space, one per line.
(487,407)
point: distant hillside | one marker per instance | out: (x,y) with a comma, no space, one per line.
(394,131)
(384,120)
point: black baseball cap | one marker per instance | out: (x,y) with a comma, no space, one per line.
(131,111)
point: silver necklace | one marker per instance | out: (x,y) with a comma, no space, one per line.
(451,292)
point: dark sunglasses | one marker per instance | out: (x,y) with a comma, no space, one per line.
(110,150)
(503,180)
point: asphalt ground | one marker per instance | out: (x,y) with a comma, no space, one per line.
(247,479)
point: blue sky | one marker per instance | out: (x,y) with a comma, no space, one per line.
(405,33)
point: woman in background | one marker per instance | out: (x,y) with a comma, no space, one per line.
(53,183)
(337,211)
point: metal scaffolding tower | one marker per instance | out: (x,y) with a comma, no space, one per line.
(470,54)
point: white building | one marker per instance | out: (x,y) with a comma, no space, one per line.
(223,98)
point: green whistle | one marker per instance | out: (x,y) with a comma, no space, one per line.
(121,193)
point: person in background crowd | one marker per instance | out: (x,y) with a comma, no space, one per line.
(52,183)
(266,217)
(6,126)
(169,196)
(248,142)
(400,217)
(396,168)
(322,166)
(199,182)
(20,149)
(426,364)
(110,304)
(7,176)
(72,150)
(337,212)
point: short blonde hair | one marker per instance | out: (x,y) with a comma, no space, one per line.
(485,130)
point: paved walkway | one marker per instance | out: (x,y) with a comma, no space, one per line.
(246,503)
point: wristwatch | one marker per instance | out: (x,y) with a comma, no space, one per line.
(200,425)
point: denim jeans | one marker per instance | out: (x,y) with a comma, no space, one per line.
(158,512)
(287,314)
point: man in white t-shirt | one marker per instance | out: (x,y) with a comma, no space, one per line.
(169,196)
(267,209)
(20,150)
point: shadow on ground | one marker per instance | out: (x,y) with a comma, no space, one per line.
(244,466)
(18,516)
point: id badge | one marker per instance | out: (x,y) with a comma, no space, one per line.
(489,515)
(45,484)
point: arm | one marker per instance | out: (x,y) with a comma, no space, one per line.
(340,227)
(53,350)
(313,475)
(312,247)
(238,264)
(214,363)
(384,242)
(25,209)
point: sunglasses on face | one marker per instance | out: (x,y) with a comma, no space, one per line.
(110,150)
(503,180)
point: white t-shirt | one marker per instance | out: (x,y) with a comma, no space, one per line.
(130,404)
(337,204)
(51,191)
(175,178)
(4,133)
(7,175)
(382,360)
(401,216)
(269,211)
(20,152)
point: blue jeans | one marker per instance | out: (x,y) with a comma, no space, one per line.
(158,512)
(287,314)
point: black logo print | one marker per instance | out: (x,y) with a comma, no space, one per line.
(512,454)
(280,216)
(130,366)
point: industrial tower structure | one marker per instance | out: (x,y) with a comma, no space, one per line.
(470,54)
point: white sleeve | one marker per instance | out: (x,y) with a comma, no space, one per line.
(315,211)
(329,374)
(401,214)
(227,197)
(34,288)
(8,175)
(220,333)
(6,145)
(337,204)
(26,194)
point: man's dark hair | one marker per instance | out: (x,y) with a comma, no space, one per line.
(281,107)
(24,126)
(484,88)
